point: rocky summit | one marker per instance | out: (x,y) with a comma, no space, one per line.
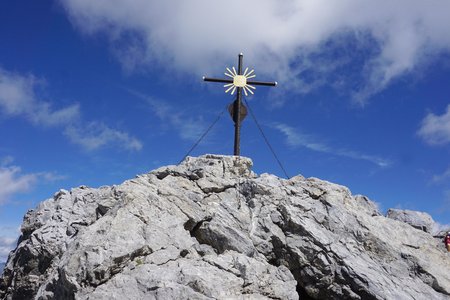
(210,228)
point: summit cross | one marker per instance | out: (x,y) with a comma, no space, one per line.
(238,82)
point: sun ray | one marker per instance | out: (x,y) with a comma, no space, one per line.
(249,90)
(234,72)
(245,91)
(245,72)
(230,88)
(234,90)
(253,76)
(250,73)
(251,86)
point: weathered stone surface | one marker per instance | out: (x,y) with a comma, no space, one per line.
(416,219)
(212,229)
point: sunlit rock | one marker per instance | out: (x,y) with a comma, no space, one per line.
(210,228)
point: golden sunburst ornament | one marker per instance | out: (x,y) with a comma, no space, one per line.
(239,81)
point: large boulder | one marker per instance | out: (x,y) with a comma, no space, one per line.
(210,228)
(417,219)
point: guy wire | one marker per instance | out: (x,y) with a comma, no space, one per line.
(265,138)
(203,135)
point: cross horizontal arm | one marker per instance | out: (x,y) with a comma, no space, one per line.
(218,80)
(262,83)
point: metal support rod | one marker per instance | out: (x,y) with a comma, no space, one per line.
(237,113)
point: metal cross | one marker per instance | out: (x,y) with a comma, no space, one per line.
(239,82)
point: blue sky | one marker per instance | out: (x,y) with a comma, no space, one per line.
(94,92)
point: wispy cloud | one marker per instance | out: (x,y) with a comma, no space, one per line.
(95,135)
(188,127)
(294,138)
(442,177)
(12,181)
(18,98)
(435,129)
(285,37)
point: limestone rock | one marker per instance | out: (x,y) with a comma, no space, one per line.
(416,219)
(210,228)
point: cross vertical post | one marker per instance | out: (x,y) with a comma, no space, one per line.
(239,82)
(237,112)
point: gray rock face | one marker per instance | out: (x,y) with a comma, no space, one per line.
(2,265)
(416,219)
(212,229)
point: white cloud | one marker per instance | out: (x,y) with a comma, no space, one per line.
(18,97)
(277,36)
(95,135)
(294,138)
(435,130)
